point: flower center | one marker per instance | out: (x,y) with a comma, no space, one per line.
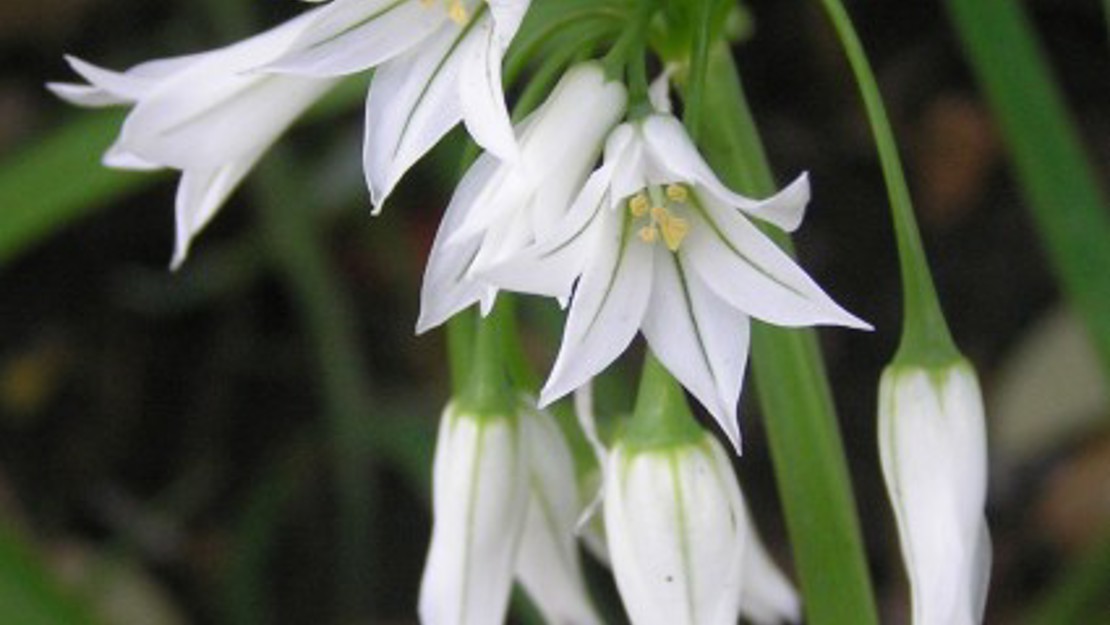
(456,10)
(657,207)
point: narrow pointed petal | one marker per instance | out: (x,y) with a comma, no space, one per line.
(85,95)
(413,102)
(507,16)
(673,150)
(480,499)
(548,564)
(701,340)
(746,269)
(767,596)
(447,287)
(559,145)
(200,194)
(482,95)
(350,36)
(608,307)
(223,119)
(551,266)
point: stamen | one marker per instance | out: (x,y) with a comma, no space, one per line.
(678,193)
(457,12)
(638,205)
(648,234)
(674,230)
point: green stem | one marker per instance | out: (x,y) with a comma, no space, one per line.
(488,390)
(661,418)
(807,451)
(925,335)
(297,249)
(1062,186)
(699,58)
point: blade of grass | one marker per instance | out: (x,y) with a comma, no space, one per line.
(1055,173)
(806,447)
(28,594)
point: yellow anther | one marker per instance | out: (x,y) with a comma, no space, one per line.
(658,213)
(638,205)
(457,12)
(678,193)
(427,3)
(648,234)
(674,230)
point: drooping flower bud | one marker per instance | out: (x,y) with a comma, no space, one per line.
(932,442)
(480,499)
(674,518)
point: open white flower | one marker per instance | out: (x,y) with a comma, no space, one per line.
(932,442)
(501,207)
(438,62)
(655,242)
(205,114)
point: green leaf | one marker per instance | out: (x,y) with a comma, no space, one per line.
(60,180)
(1057,176)
(28,594)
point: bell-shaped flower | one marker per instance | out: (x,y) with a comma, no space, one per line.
(656,243)
(676,540)
(501,207)
(437,62)
(548,564)
(205,114)
(480,499)
(932,443)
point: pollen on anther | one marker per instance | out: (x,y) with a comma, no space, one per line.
(648,234)
(457,12)
(638,205)
(674,230)
(677,193)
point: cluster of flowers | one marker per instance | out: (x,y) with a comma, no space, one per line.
(650,241)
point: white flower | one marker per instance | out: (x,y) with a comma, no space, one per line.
(677,540)
(501,207)
(548,564)
(206,114)
(655,242)
(480,498)
(932,442)
(766,596)
(438,62)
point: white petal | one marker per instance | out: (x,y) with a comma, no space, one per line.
(559,145)
(350,36)
(746,269)
(85,95)
(447,287)
(701,340)
(768,597)
(413,102)
(480,91)
(551,266)
(479,503)
(200,194)
(118,158)
(507,16)
(608,307)
(584,410)
(548,563)
(659,91)
(211,118)
(672,150)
